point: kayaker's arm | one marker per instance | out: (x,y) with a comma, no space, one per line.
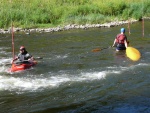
(126,43)
(14,59)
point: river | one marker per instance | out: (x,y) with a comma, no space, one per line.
(70,78)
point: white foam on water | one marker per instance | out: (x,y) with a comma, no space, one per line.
(5,64)
(23,84)
(61,57)
(4,61)
(97,75)
(139,65)
(37,82)
(117,68)
(3,50)
(3,69)
(122,69)
(58,57)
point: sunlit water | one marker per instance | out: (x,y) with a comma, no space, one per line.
(72,78)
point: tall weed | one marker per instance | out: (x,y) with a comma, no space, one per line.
(32,13)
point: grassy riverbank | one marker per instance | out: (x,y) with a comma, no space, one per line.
(50,13)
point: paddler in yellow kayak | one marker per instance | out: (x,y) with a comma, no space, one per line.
(23,56)
(121,41)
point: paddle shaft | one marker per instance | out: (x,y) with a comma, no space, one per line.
(99,49)
(28,60)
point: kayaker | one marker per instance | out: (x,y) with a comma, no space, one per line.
(23,56)
(121,41)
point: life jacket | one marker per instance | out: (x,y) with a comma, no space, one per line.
(24,56)
(120,38)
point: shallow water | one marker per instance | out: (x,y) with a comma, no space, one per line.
(72,78)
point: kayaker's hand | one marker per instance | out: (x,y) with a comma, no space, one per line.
(30,59)
(15,59)
(12,61)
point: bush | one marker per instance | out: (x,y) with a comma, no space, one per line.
(59,12)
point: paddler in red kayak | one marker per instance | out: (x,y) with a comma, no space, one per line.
(23,56)
(121,41)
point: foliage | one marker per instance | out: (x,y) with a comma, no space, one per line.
(32,13)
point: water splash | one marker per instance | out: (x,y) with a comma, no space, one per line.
(54,80)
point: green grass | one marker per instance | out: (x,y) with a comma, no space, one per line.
(48,13)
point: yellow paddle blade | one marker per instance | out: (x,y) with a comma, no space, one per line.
(133,53)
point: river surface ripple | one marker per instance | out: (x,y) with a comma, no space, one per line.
(70,78)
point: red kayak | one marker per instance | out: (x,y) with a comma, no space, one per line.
(22,66)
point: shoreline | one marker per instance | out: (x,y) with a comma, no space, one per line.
(67,27)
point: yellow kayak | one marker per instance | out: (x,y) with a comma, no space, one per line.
(133,53)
